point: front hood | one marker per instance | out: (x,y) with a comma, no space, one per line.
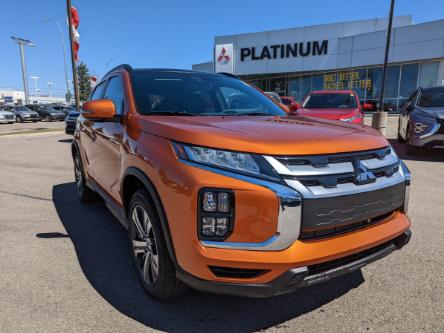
(271,135)
(434,112)
(335,114)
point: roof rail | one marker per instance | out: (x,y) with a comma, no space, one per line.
(122,66)
(229,75)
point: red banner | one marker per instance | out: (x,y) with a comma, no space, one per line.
(75,34)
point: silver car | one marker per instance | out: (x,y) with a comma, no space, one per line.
(6,117)
(421,122)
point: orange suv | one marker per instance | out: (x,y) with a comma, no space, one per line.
(222,191)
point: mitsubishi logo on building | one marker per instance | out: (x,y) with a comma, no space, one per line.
(223,57)
(362,174)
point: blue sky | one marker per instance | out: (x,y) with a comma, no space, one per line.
(165,33)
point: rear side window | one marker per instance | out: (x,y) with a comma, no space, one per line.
(115,92)
(98,92)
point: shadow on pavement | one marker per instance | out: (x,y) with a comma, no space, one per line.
(102,249)
(426,155)
(52,235)
(65,140)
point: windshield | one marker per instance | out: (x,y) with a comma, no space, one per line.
(330,101)
(21,108)
(198,94)
(433,97)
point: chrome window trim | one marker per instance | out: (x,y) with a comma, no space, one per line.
(289,218)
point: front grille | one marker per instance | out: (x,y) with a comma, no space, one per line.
(343,192)
(9,117)
(329,215)
(318,234)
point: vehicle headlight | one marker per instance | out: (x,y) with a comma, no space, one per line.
(2,116)
(26,115)
(350,119)
(53,113)
(236,162)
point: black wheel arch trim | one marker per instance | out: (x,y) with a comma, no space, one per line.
(149,186)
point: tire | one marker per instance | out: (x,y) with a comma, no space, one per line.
(34,121)
(18,119)
(47,118)
(155,268)
(84,192)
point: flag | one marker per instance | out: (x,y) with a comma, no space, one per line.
(75,34)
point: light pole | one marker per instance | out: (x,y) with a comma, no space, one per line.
(22,43)
(379,120)
(49,88)
(35,78)
(68,92)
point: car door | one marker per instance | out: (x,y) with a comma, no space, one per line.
(109,139)
(88,136)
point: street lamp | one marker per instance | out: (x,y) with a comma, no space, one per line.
(22,43)
(379,120)
(35,78)
(49,88)
(68,92)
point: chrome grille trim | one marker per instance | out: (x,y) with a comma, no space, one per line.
(386,157)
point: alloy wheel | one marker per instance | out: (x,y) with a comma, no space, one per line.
(78,172)
(144,245)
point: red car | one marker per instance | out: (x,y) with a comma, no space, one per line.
(290,103)
(333,104)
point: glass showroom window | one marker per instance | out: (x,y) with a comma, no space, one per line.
(409,80)
(375,77)
(331,81)
(278,86)
(294,85)
(428,74)
(305,86)
(359,82)
(392,82)
(318,82)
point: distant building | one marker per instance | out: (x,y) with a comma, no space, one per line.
(10,96)
(345,55)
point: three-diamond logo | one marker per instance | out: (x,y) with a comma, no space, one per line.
(362,174)
(223,57)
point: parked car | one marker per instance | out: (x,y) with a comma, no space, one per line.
(340,105)
(22,113)
(421,120)
(47,112)
(64,108)
(290,102)
(230,200)
(274,95)
(71,121)
(6,117)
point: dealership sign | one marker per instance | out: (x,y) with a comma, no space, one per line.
(282,51)
(224,58)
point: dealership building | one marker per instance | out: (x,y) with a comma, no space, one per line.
(345,55)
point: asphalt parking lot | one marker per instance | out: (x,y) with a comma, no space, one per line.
(66,266)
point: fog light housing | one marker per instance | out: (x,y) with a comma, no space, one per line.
(215,214)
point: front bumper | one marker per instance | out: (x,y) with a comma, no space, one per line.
(296,278)
(70,127)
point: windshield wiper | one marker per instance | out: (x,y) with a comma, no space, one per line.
(171,113)
(255,114)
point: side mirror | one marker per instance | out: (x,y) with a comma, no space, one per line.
(100,109)
(367,106)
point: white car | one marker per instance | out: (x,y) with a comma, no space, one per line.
(6,117)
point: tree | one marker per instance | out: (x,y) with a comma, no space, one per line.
(84,81)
